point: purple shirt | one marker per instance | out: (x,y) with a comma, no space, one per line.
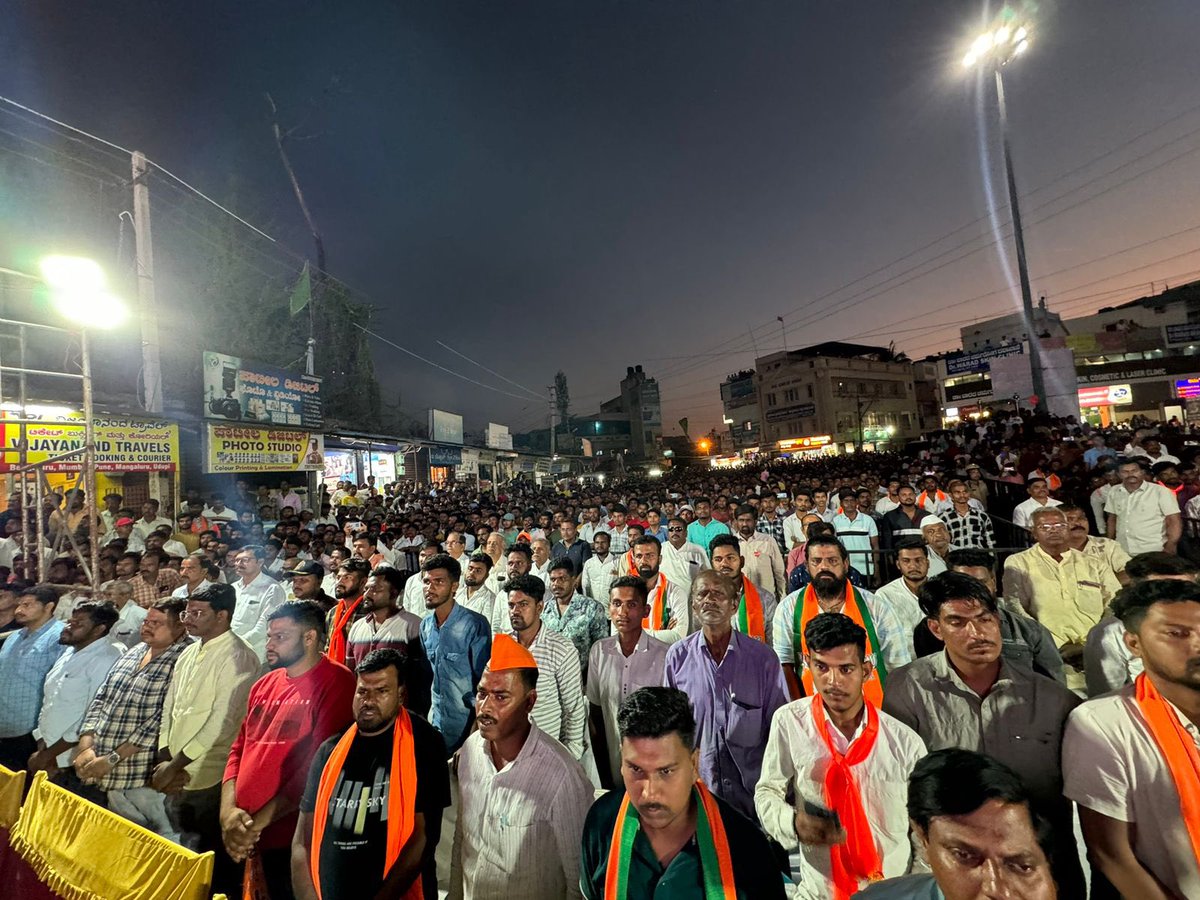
(733,703)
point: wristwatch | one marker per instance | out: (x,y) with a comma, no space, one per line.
(113,758)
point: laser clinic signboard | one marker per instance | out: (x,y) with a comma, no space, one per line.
(241,390)
(233,449)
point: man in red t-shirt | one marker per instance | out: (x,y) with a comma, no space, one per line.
(303,700)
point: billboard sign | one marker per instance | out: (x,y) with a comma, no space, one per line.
(1188,333)
(980,360)
(1187,388)
(1105,395)
(234,449)
(241,390)
(801,411)
(445,456)
(122,444)
(445,427)
(497,437)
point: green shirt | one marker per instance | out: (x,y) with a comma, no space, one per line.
(753,875)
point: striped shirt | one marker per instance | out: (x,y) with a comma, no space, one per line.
(560,710)
(520,828)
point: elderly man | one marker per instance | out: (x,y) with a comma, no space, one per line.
(1060,587)
(734,684)
(130,616)
(937,539)
(969,696)
(1142,516)
(258,595)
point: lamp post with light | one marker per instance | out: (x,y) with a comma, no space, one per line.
(78,292)
(997,48)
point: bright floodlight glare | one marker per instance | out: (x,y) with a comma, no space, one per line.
(1021,34)
(982,44)
(969,60)
(1021,47)
(79,291)
(1001,35)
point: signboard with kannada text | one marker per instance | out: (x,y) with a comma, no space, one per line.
(233,449)
(241,390)
(122,444)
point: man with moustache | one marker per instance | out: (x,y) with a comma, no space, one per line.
(414,588)
(457,643)
(474,593)
(969,696)
(903,521)
(1111,554)
(307,583)
(756,607)
(617,666)
(69,688)
(293,709)
(524,796)
(352,578)
(26,657)
(518,562)
(561,711)
(829,591)
(601,568)
(762,560)
(203,709)
(571,546)
(669,619)
(845,762)
(734,684)
(666,835)
(371,813)
(681,559)
(383,625)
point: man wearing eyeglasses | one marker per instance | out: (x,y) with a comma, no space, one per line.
(681,560)
(1061,587)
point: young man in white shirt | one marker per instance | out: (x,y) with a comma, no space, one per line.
(1142,516)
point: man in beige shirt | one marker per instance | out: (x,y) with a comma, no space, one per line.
(1106,550)
(204,708)
(1064,589)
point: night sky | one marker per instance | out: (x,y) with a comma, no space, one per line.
(591,185)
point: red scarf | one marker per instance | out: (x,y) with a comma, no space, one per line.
(858,858)
(336,651)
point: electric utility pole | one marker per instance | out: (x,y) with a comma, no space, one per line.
(152,395)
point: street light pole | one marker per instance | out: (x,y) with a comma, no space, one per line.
(1035,350)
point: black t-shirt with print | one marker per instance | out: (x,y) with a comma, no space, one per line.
(354,846)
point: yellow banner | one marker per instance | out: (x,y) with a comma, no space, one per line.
(232,449)
(122,444)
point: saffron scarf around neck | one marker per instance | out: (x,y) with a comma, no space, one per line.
(336,650)
(716,861)
(858,858)
(660,614)
(855,607)
(1179,753)
(401,804)
(750,612)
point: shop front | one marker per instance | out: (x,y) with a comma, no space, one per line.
(359,460)
(1105,405)
(807,447)
(136,458)
(265,456)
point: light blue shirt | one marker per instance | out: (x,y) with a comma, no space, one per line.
(458,651)
(701,535)
(24,661)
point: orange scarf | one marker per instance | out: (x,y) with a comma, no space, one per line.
(750,612)
(402,799)
(658,607)
(807,608)
(1178,750)
(858,858)
(632,566)
(336,650)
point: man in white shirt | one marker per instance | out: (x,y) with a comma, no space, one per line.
(414,590)
(681,559)
(194,570)
(890,500)
(617,666)
(670,611)
(912,559)
(793,526)
(600,569)
(258,595)
(473,593)
(70,685)
(1142,516)
(808,736)
(217,512)
(540,550)
(1128,751)
(150,520)
(763,560)
(1039,498)
(127,630)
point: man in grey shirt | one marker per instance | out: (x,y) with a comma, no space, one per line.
(970,697)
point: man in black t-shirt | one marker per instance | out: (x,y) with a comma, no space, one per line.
(356,792)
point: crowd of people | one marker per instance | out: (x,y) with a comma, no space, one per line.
(873,675)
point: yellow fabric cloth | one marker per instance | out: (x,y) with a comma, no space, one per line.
(12,785)
(83,852)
